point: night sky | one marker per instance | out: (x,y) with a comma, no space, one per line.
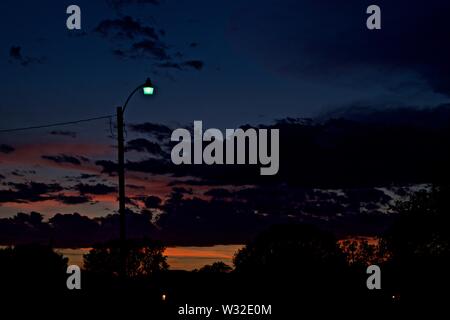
(227,63)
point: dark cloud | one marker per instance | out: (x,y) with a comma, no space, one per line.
(98,188)
(76,33)
(24,228)
(82,176)
(158,130)
(138,40)
(368,195)
(149,48)
(108,166)
(118,4)
(193,221)
(125,27)
(197,221)
(17,173)
(88,176)
(119,53)
(131,202)
(134,40)
(22,173)
(152,202)
(335,153)
(330,173)
(170,65)
(69,199)
(15,54)
(155,166)
(218,193)
(4,148)
(181,190)
(190,182)
(72,230)
(29,192)
(247,211)
(426,118)
(330,39)
(144,145)
(135,187)
(70,134)
(195,64)
(62,158)
(146,49)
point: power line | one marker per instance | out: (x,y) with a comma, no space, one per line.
(55,124)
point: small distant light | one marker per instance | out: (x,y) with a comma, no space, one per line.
(163,297)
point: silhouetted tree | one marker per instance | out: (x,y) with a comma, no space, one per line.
(419,244)
(289,248)
(361,253)
(32,267)
(422,228)
(216,267)
(292,263)
(144,258)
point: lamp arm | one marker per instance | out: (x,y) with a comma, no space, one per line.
(129,97)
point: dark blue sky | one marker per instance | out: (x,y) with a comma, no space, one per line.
(262,60)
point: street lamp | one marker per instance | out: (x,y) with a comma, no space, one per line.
(148,89)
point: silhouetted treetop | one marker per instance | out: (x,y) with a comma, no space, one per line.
(144,258)
(216,267)
(289,248)
(421,229)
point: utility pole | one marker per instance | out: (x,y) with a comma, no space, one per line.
(147,90)
(121,174)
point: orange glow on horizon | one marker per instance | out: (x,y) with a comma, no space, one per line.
(217,251)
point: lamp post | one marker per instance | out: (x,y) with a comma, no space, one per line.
(148,89)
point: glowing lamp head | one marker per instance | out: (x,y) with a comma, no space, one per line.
(148,87)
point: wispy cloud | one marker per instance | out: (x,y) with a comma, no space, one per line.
(63,158)
(71,134)
(125,27)
(119,4)
(134,40)
(16,55)
(4,148)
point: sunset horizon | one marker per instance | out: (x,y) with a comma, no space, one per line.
(213,159)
